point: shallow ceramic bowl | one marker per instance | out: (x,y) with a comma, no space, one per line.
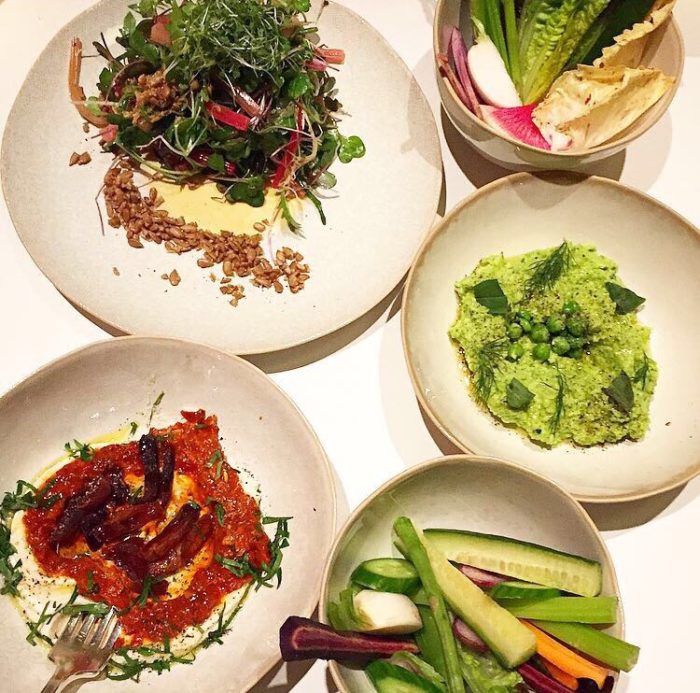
(665,51)
(377,218)
(658,254)
(477,493)
(102,387)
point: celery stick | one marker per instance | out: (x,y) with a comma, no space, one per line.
(428,639)
(512,41)
(565,609)
(602,647)
(415,552)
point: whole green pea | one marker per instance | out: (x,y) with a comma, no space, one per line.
(539,334)
(524,315)
(576,342)
(516,352)
(571,307)
(526,325)
(575,353)
(541,351)
(514,331)
(555,324)
(560,345)
(575,326)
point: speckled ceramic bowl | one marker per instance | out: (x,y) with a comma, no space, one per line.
(665,51)
(478,493)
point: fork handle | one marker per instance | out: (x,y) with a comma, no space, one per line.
(57,680)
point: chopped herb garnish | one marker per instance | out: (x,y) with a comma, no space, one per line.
(220,513)
(133,427)
(621,393)
(155,406)
(490,295)
(93,608)
(24,497)
(92,588)
(79,450)
(487,361)
(546,272)
(263,575)
(626,301)
(518,396)
(145,591)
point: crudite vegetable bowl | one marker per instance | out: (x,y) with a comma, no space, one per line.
(464,492)
(661,49)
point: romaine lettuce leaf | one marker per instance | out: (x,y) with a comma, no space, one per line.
(546,46)
(484,674)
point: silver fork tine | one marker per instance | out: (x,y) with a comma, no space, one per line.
(92,630)
(116,630)
(84,629)
(105,629)
(71,625)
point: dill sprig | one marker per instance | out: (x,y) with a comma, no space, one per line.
(555,419)
(488,359)
(642,373)
(545,272)
(78,450)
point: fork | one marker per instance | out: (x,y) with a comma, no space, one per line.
(84,647)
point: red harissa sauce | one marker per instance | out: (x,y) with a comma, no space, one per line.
(196,442)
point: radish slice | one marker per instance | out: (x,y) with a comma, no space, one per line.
(490,74)
(516,123)
(457,50)
(468,637)
(481,578)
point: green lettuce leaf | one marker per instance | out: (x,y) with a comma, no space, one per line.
(550,31)
(619,15)
(484,674)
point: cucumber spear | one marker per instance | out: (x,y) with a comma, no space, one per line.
(413,549)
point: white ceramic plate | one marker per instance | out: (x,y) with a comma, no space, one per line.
(385,205)
(101,388)
(464,492)
(658,254)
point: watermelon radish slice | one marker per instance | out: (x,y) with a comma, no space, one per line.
(516,123)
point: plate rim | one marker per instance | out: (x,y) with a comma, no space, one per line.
(317,334)
(458,459)
(571,178)
(35,377)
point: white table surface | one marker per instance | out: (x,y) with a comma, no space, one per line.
(354,386)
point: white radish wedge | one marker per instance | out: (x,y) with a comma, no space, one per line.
(489,73)
(387,612)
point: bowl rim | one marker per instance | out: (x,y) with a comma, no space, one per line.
(449,460)
(616,144)
(264,665)
(514,179)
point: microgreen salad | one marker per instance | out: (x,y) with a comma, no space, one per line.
(470,612)
(238,92)
(559,75)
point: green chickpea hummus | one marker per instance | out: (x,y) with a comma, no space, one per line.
(552,346)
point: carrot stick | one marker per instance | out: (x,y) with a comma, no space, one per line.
(558,675)
(566,660)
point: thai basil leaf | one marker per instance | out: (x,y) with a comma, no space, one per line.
(490,295)
(518,396)
(626,301)
(621,393)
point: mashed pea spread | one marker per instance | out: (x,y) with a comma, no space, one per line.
(553,346)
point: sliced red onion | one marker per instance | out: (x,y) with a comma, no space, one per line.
(468,637)
(449,73)
(481,578)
